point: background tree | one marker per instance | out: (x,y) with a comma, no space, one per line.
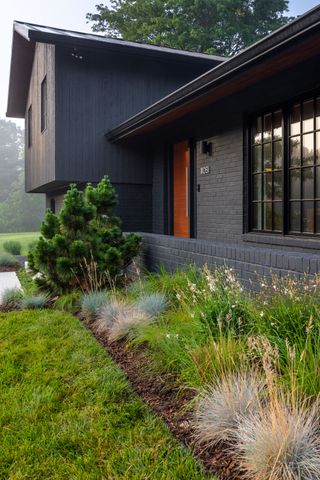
(21,212)
(11,156)
(212,26)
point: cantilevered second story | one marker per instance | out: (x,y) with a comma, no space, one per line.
(73,87)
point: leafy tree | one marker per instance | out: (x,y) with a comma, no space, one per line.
(82,241)
(212,26)
(21,212)
(11,156)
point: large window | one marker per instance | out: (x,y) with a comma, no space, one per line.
(285,169)
(43,114)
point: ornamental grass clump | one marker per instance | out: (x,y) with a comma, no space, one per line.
(11,299)
(13,247)
(91,303)
(218,411)
(153,304)
(34,302)
(287,306)
(70,303)
(280,441)
(117,320)
(8,260)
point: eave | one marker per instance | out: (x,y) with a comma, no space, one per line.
(26,35)
(289,45)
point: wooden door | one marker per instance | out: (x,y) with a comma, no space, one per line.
(181,207)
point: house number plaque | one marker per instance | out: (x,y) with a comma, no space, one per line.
(204,170)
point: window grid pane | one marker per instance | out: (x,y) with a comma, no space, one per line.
(267,172)
(301,167)
(304,177)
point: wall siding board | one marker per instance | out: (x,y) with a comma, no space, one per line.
(40,157)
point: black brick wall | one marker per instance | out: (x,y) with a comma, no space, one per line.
(247,261)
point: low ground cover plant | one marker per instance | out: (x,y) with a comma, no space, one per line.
(8,260)
(11,299)
(34,302)
(13,247)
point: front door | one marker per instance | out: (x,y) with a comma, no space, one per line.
(181,196)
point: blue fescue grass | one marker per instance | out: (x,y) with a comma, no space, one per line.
(91,304)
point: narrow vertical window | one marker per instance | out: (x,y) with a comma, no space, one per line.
(44,104)
(29,126)
(304,167)
(53,205)
(266,172)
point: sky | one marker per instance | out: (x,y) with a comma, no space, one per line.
(69,14)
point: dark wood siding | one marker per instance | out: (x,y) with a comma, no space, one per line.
(95,92)
(40,156)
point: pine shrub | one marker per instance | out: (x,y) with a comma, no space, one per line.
(84,234)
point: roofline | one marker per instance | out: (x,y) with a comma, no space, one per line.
(207,81)
(29,31)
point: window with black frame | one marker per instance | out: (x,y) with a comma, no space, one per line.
(43,105)
(300,166)
(303,167)
(266,172)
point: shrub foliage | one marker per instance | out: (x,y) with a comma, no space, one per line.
(13,247)
(85,232)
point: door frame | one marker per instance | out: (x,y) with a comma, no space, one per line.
(192,189)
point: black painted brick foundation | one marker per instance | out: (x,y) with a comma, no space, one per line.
(246,260)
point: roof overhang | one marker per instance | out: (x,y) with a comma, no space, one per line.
(20,73)
(25,36)
(288,46)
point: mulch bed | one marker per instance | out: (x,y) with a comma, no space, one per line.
(9,269)
(171,404)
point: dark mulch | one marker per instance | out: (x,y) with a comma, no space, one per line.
(172,405)
(9,269)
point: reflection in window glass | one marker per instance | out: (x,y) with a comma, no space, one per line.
(267,120)
(295,217)
(295,120)
(295,151)
(268,159)
(257,130)
(307,183)
(307,149)
(277,216)
(257,159)
(277,125)
(307,118)
(307,217)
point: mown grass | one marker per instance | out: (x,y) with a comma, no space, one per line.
(67,411)
(25,238)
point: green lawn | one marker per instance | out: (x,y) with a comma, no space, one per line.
(67,411)
(25,238)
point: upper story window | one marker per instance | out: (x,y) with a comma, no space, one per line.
(285,170)
(43,106)
(29,126)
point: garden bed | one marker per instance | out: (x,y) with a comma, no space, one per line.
(171,404)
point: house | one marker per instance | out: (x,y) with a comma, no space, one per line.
(221,167)
(71,88)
